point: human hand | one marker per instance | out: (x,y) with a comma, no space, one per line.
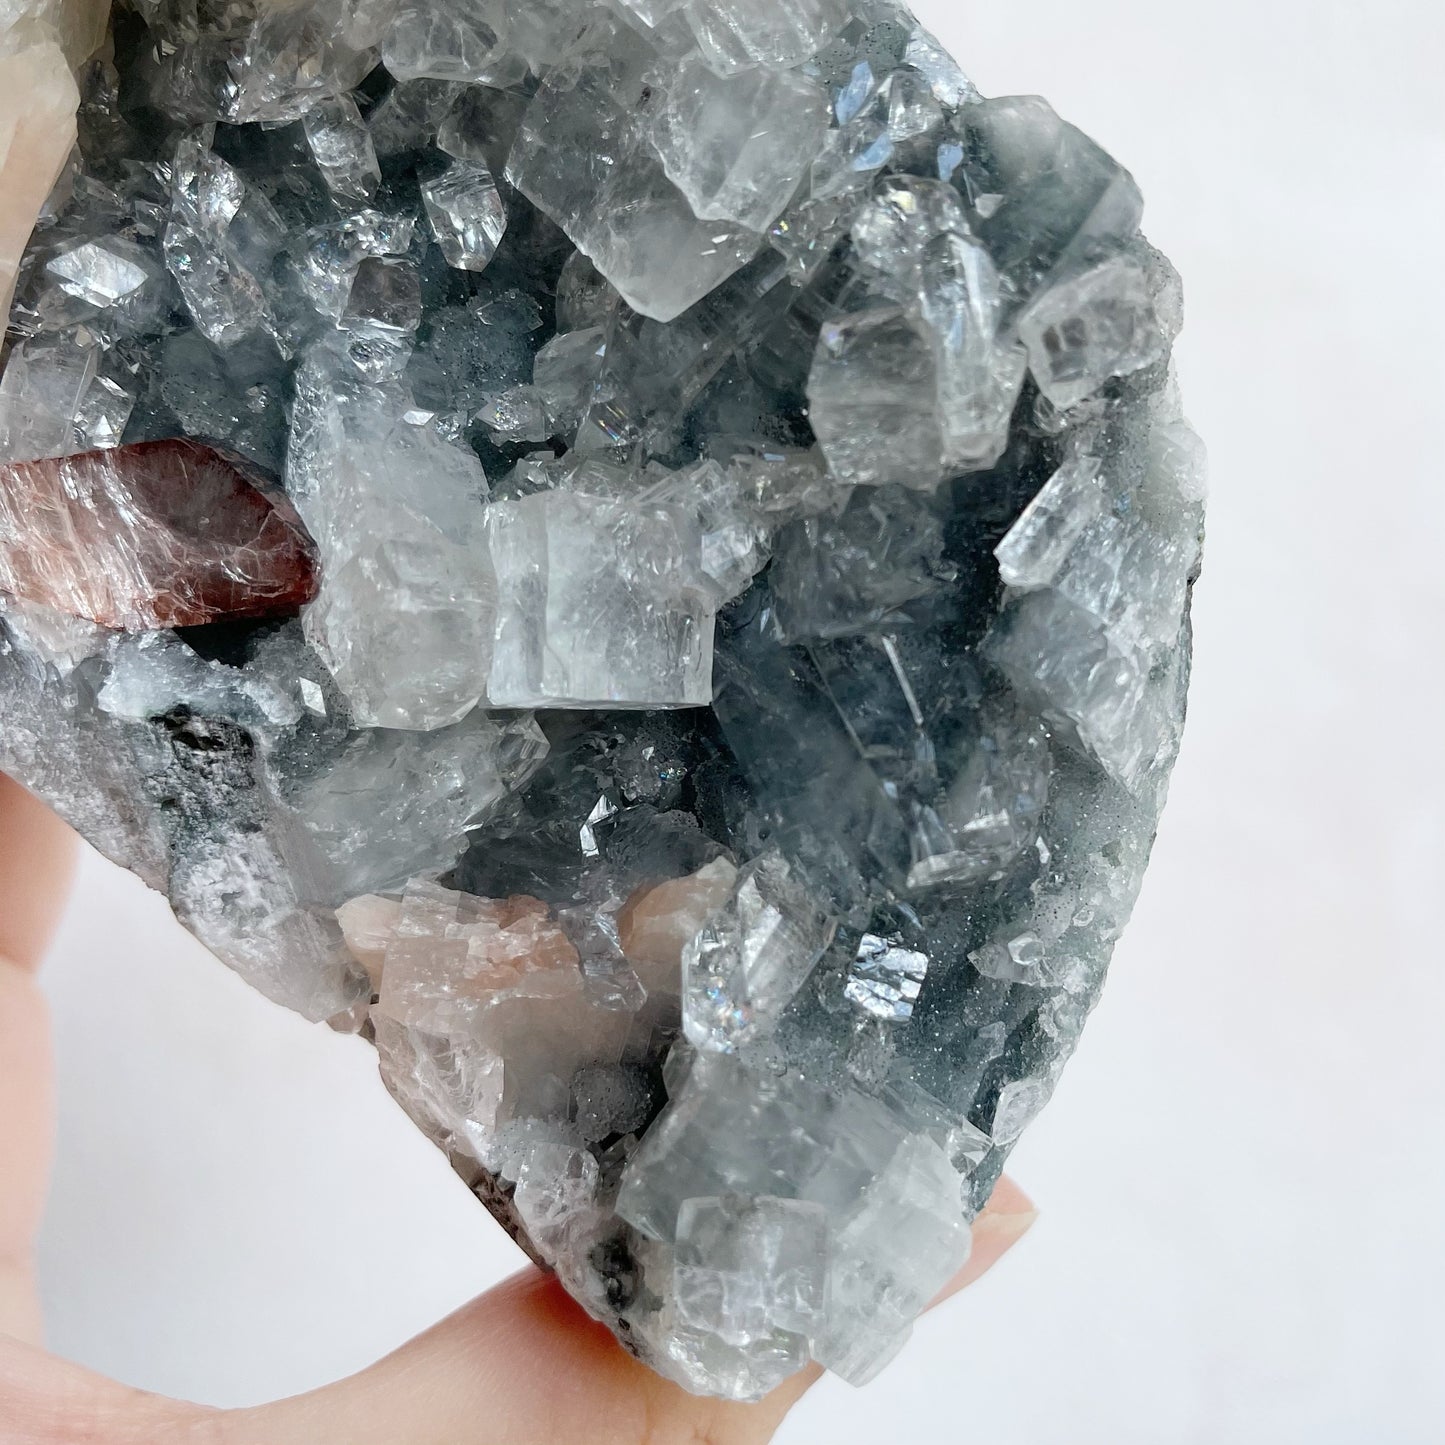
(521,1364)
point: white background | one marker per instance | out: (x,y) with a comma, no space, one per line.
(1242,1177)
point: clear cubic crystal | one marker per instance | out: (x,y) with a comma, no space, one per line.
(1091,327)
(601,604)
(407,608)
(618,206)
(748,961)
(747,1268)
(736,145)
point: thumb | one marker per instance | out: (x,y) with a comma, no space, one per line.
(26,1109)
(521,1365)
(36,855)
(524,1364)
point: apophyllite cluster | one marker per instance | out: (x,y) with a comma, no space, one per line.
(636,553)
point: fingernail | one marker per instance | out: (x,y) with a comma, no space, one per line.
(1008,1198)
(1006,1220)
(1009,1216)
(1003,1230)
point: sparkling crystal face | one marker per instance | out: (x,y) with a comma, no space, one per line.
(640,555)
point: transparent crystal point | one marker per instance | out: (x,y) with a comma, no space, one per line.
(453,40)
(950,86)
(750,959)
(741,34)
(980,375)
(104,272)
(343,149)
(466,214)
(211,251)
(875,400)
(43,395)
(1057,199)
(385,296)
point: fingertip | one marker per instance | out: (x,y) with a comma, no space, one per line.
(37,860)
(26,1143)
(1008,1216)
(524,1364)
(1008,1199)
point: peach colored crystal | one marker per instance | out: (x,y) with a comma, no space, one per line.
(37,130)
(446,952)
(368,925)
(656,924)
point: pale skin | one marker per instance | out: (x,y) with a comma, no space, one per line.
(521,1365)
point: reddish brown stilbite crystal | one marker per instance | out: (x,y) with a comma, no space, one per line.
(159,534)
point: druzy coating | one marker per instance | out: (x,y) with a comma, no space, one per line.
(742,525)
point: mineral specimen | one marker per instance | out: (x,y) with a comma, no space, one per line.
(638,554)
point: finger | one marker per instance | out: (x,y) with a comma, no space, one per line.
(1009,1215)
(525,1365)
(37,858)
(26,1132)
(522,1365)
(38,98)
(45,1401)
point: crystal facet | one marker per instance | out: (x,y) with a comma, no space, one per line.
(466,215)
(736,145)
(601,604)
(343,149)
(584,157)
